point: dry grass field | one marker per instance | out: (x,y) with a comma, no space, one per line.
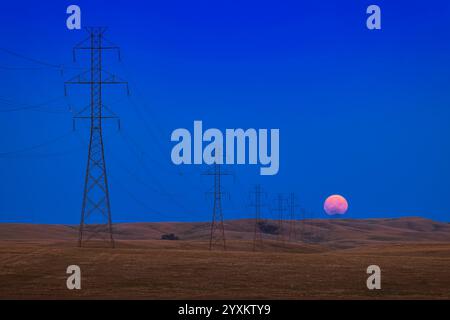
(330,265)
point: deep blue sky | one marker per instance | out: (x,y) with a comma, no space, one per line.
(362,113)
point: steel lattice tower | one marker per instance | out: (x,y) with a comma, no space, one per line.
(302,226)
(217,234)
(292,217)
(281,207)
(96,221)
(257,204)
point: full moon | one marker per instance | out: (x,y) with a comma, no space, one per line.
(335,204)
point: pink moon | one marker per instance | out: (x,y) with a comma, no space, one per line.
(335,204)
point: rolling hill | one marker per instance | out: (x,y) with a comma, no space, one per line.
(344,233)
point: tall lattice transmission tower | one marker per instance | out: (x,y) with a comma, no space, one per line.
(96,221)
(280,207)
(257,196)
(302,225)
(292,217)
(217,234)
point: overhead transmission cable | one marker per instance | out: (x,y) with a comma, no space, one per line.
(34,147)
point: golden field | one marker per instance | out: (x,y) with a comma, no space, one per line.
(328,261)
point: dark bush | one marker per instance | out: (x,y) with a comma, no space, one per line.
(268,228)
(169,236)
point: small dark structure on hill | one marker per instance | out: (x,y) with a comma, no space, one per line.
(268,228)
(169,236)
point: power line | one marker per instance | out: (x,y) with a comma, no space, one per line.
(148,186)
(34,147)
(33,60)
(22,68)
(142,156)
(13,107)
(135,149)
(140,111)
(162,190)
(44,155)
(132,196)
(138,107)
(44,64)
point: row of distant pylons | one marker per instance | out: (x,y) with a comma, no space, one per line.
(286,210)
(288,214)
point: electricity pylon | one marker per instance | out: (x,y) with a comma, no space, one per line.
(96,221)
(217,234)
(256,196)
(280,208)
(292,217)
(302,226)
